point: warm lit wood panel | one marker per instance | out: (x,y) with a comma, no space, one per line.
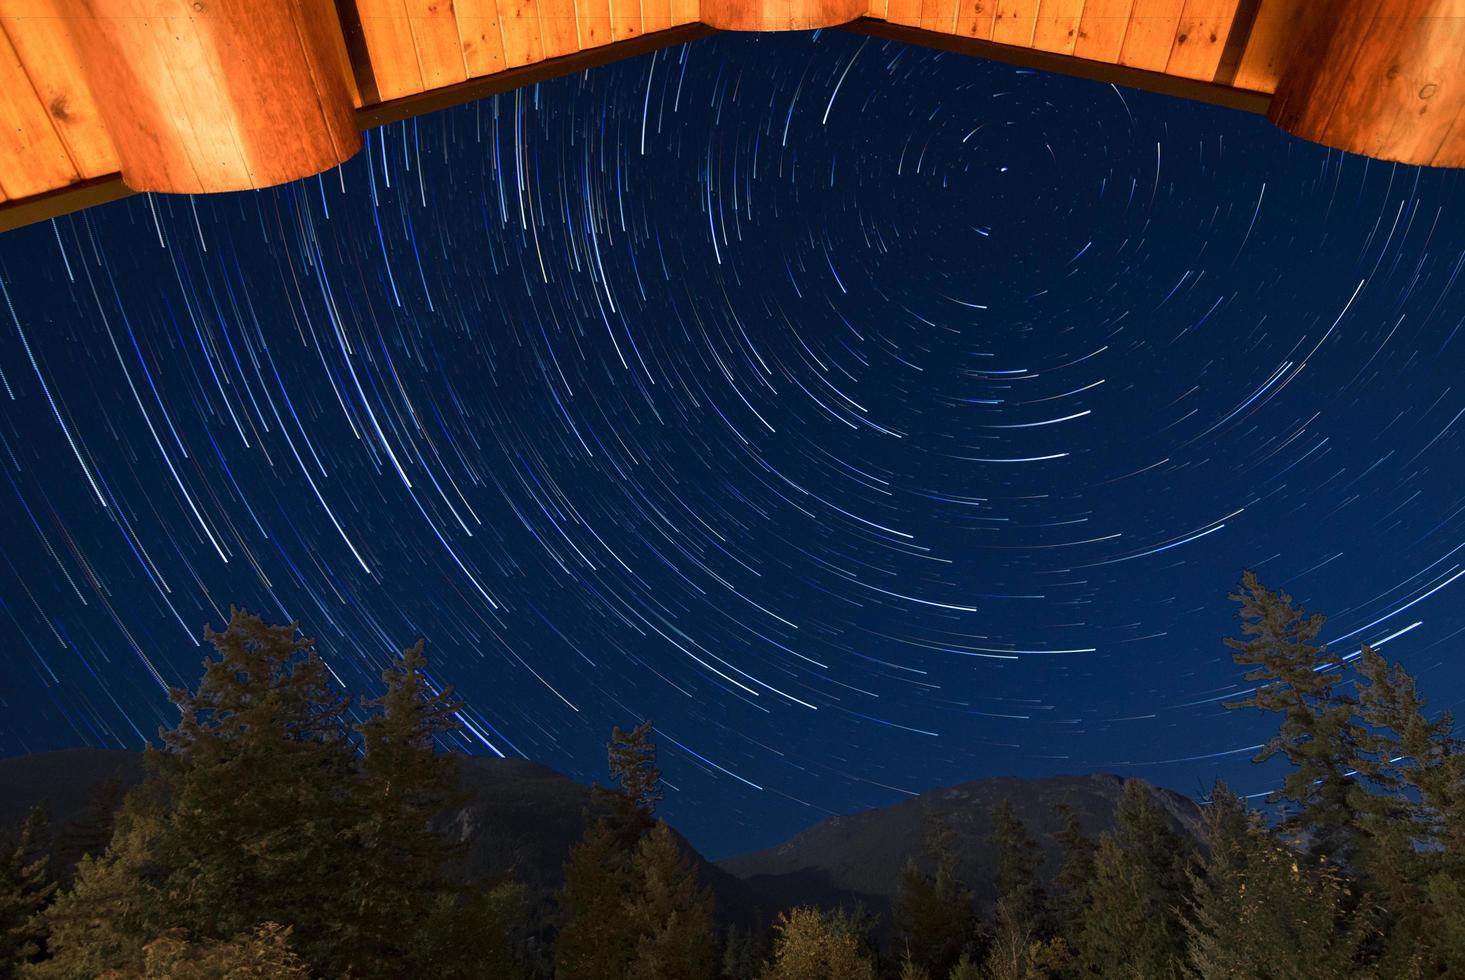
(32,157)
(1200,39)
(879,8)
(1385,78)
(483,41)
(593,20)
(1101,29)
(783,15)
(810,14)
(1013,22)
(685,11)
(1057,26)
(519,24)
(1275,24)
(1151,34)
(435,36)
(223,95)
(625,18)
(656,14)
(43,45)
(940,15)
(903,12)
(388,34)
(557,27)
(975,19)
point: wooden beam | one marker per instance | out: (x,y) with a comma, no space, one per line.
(64,200)
(1384,78)
(408,106)
(1099,71)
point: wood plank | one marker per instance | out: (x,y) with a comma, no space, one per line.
(1275,24)
(940,15)
(388,33)
(32,157)
(1102,28)
(519,25)
(685,12)
(879,8)
(1014,21)
(42,42)
(558,27)
(625,19)
(906,12)
(1057,26)
(592,18)
(810,14)
(435,36)
(656,15)
(975,19)
(482,40)
(1151,34)
(1200,39)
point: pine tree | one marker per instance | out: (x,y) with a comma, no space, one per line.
(813,945)
(1134,926)
(670,913)
(25,889)
(966,968)
(741,954)
(632,759)
(405,783)
(468,933)
(596,940)
(1018,861)
(1257,911)
(934,913)
(1075,877)
(1414,818)
(117,902)
(263,953)
(91,832)
(1319,734)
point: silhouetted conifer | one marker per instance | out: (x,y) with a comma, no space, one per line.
(26,887)
(670,913)
(1018,862)
(812,945)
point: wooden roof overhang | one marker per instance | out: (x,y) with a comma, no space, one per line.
(102,98)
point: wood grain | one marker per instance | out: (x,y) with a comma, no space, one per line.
(1385,78)
(1261,64)
(940,15)
(32,157)
(519,25)
(1101,29)
(558,27)
(435,36)
(482,40)
(1057,26)
(1200,38)
(1014,21)
(388,34)
(1151,34)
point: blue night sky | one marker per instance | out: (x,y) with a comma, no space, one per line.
(872,418)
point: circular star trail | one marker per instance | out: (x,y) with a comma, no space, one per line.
(873,419)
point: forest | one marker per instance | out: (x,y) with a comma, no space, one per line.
(279,834)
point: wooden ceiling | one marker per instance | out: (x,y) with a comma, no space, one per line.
(62,147)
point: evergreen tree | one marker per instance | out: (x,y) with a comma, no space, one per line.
(1257,912)
(934,913)
(813,945)
(25,889)
(1319,733)
(632,758)
(1134,926)
(467,933)
(261,954)
(1075,877)
(966,968)
(1019,953)
(1415,821)
(741,954)
(1018,861)
(117,902)
(91,832)
(670,913)
(405,783)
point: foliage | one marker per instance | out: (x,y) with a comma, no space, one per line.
(670,913)
(263,954)
(1134,927)
(632,759)
(25,888)
(813,945)
(1018,861)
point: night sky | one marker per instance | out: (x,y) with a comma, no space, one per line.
(872,418)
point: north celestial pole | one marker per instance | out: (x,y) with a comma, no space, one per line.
(872,418)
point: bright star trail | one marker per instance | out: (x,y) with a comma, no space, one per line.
(873,419)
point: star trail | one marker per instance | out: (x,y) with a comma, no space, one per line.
(872,418)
